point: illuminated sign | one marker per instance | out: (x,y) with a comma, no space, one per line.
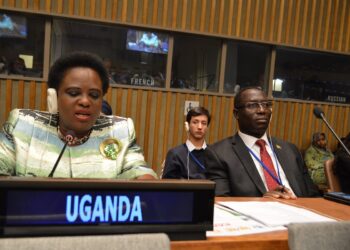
(45,207)
(103,209)
(31,207)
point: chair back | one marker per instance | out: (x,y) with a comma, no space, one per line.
(158,241)
(332,178)
(319,235)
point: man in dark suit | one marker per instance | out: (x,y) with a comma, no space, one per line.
(342,165)
(251,164)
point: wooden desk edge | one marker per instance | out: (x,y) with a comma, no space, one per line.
(271,240)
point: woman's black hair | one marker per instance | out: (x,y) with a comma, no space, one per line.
(196,112)
(77,59)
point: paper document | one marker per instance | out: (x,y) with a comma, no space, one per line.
(230,223)
(273,214)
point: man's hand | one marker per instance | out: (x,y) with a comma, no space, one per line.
(146,177)
(281,192)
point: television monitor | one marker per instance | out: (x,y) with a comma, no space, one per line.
(13,26)
(47,206)
(147,41)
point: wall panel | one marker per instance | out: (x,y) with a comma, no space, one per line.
(316,24)
(159,115)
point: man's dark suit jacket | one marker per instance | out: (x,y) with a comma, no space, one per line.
(177,167)
(230,165)
(342,167)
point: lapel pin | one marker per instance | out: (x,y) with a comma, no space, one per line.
(110,148)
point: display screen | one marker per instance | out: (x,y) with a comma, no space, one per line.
(54,206)
(146,41)
(33,207)
(13,26)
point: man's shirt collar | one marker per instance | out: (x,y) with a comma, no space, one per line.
(191,147)
(250,141)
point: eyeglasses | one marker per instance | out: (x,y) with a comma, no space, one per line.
(256,105)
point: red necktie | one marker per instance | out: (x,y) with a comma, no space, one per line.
(266,159)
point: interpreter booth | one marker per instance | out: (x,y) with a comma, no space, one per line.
(166,56)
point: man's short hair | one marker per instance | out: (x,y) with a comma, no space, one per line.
(238,97)
(196,112)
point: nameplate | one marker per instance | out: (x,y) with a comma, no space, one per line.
(34,206)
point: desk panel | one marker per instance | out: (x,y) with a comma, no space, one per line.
(265,241)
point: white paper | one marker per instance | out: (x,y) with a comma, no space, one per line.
(231,223)
(274,214)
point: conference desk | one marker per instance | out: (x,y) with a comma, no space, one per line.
(272,240)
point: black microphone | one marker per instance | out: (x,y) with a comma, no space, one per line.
(68,138)
(320,115)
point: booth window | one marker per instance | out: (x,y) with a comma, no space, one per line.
(132,57)
(313,76)
(196,63)
(246,65)
(21,44)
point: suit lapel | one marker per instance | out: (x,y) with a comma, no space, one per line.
(243,154)
(285,160)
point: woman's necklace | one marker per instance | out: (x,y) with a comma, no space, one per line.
(75,141)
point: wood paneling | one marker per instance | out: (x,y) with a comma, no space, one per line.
(317,24)
(159,115)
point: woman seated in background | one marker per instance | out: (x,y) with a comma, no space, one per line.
(315,156)
(342,166)
(98,146)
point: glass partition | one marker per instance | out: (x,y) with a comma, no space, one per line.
(138,57)
(314,76)
(132,57)
(196,63)
(21,44)
(246,65)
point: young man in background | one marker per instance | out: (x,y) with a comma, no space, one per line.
(186,161)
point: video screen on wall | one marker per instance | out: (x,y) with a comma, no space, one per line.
(147,41)
(13,26)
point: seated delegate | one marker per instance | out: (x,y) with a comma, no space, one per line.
(315,156)
(252,164)
(186,161)
(98,146)
(342,166)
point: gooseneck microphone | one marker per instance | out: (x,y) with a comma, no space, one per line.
(320,115)
(68,138)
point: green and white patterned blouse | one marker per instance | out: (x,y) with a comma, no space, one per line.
(314,160)
(29,146)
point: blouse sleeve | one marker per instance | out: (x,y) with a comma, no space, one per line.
(134,164)
(7,146)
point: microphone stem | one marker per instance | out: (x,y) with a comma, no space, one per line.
(58,160)
(335,134)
